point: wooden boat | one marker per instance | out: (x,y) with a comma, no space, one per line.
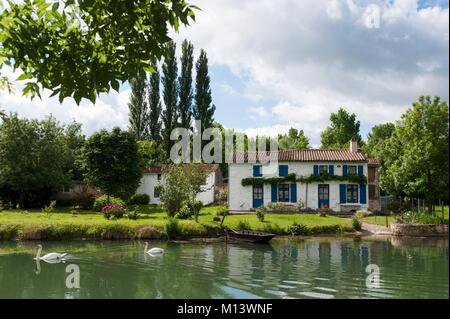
(249,236)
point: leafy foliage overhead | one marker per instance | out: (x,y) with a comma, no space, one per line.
(82,48)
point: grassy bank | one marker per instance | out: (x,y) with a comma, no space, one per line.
(381,220)
(152,224)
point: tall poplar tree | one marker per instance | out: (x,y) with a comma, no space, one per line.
(154,103)
(185,84)
(170,94)
(203,107)
(138,108)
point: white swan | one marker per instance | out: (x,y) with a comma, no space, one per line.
(51,257)
(153,251)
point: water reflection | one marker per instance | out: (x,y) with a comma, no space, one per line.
(322,268)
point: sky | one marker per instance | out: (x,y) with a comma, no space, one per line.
(289,63)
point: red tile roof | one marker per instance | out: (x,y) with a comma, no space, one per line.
(306,155)
(158,169)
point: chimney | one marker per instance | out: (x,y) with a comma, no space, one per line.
(354,145)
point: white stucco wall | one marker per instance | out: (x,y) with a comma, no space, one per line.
(241,198)
(150,180)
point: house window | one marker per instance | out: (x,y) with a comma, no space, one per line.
(323,170)
(258,192)
(257,171)
(352,170)
(156,191)
(283,192)
(352,193)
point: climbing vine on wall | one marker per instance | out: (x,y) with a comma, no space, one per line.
(291,178)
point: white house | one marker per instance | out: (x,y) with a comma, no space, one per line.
(153,179)
(298,172)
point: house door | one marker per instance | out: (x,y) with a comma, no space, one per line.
(324,195)
(258,196)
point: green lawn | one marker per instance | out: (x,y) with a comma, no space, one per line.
(63,224)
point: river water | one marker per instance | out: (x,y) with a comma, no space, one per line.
(314,268)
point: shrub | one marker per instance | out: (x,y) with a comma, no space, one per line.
(195,207)
(420,217)
(102,201)
(133,215)
(113,211)
(356,223)
(172,228)
(185,212)
(217,219)
(261,213)
(139,199)
(48,210)
(298,230)
(326,229)
(85,198)
(64,200)
(243,225)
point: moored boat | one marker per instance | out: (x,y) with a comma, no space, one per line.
(249,236)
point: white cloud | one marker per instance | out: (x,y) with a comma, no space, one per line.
(258,112)
(311,57)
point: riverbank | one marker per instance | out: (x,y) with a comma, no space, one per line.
(65,224)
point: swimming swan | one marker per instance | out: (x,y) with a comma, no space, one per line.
(51,258)
(153,251)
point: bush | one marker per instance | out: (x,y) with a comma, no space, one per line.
(243,225)
(133,215)
(172,228)
(102,201)
(139,199)
(420,217)
(195,206)
(85,198)
(113,211)
(184,213)
(298,230)
(64,200)
(273,228)
(356,223)
(261,213)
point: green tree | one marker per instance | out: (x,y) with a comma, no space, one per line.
(170,95)
(151,153)
(377,136)
(85,47)
(185,84)
(294,139)
(112,163)
(33,160)
(343,127)
(75,141)
(415,158)
(196,181)
(203,107)
(154,104)
(175,189)
(138,115)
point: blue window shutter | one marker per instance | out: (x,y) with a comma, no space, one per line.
(344,170)
(360,170)
(257,171)
(294,193)
(342,193)
(362,194)
(316,170)
(274,193)
(283,170)
(331,170)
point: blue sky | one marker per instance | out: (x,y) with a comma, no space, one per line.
(277,64)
